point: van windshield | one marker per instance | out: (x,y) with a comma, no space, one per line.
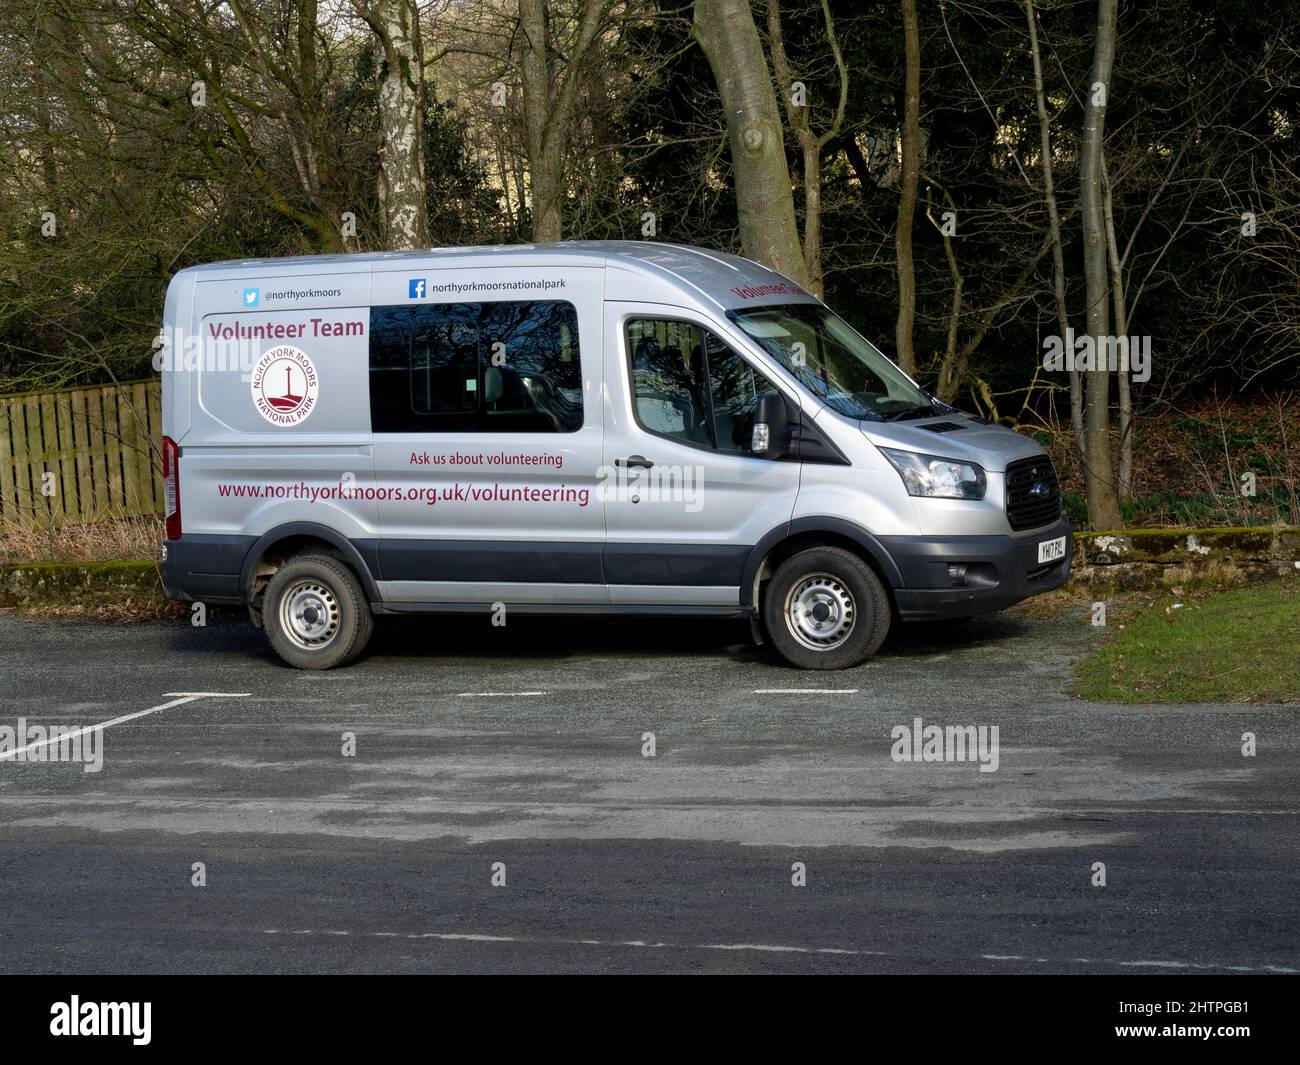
(833,361)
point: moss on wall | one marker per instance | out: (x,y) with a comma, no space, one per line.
(80,584)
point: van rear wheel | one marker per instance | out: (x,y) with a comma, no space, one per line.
(825,608)
(316,613)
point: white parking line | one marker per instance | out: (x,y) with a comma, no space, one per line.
(182,697)
(769,948)
(494,695)
(805,691)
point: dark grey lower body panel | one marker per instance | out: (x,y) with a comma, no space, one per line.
(675,564)
(216,569)
(205,568)
(624,578)
(569,609)
(550,562)
(493,561)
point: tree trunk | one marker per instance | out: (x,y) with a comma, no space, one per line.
(549,105)
(1120,304)
(544,161)
(1054,229)
(318,179)
(1103,501)
(812,215)
(810,143)
(907,190)
(402,194)
(764,200)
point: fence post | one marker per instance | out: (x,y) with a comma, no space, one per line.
(8,497)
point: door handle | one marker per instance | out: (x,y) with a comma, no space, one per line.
(634,462)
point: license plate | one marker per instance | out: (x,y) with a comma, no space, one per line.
(1051,550)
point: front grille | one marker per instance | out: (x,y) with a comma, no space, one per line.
(1025,509)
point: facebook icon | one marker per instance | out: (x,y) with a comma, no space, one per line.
(416,289)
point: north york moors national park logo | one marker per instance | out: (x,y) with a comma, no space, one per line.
(285,385)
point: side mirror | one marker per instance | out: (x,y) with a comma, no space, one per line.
(771,435)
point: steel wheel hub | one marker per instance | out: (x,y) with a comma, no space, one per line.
(820,612)
(309,614)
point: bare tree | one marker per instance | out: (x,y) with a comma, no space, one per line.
(1124,479)
(811,144)
(550,92)
(1103,500)
(764,199)
(402,193)
(907,189)
(204,42)
(1054,225)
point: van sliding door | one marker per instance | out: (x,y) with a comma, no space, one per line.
(487,436)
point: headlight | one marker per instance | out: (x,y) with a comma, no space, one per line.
(930,475)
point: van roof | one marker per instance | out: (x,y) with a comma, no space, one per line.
(715,274)
(576,252)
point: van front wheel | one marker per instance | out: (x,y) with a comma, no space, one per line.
(825,608)
(316,613)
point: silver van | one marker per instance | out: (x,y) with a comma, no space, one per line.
(576,428)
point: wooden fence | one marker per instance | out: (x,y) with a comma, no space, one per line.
(101,446)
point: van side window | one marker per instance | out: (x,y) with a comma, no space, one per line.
(688,384)
(444,367)
(669,388)
(510,367)
(735,387)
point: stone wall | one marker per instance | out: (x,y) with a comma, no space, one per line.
(82,584)
(1153,558)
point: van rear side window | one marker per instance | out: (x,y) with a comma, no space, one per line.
(508,367)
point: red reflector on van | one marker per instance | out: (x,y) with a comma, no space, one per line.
(172,487)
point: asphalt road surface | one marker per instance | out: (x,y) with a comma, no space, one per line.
(524,746)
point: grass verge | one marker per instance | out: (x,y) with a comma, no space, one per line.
(111,540)
(1234,647)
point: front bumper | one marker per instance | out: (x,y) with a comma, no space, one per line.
(999,571)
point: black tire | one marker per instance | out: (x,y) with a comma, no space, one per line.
(856,609)
(330,596)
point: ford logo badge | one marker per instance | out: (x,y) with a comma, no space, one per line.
(1041,489)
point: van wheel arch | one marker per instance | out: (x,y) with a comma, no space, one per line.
(804,533)
(278,546)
